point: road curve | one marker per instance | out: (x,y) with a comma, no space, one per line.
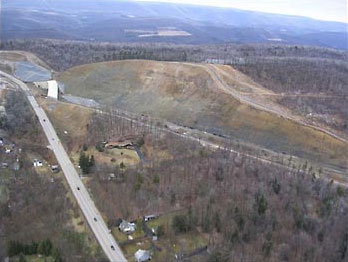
(91,213)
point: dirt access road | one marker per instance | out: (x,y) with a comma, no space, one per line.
(274,109)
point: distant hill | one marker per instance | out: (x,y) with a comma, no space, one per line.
(127,21)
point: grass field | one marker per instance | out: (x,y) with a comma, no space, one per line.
(186,94)
(70,121)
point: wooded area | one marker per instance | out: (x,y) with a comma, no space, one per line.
(250,211)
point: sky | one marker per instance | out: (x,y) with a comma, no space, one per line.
(330,10)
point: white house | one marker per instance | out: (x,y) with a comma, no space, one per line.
(127,227)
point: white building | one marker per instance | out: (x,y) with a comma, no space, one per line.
(51,86)
(52,89)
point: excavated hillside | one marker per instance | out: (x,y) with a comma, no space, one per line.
(217,99)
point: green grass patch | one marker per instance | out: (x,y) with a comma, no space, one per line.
(119,236)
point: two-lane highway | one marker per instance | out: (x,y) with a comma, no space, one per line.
(91,213)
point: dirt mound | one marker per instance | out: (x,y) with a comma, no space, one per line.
(191,95)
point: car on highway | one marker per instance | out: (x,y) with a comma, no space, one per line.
(78,188)
(112,247)
(95,219)
(44,120)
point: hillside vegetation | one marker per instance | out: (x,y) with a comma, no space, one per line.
(243,209)
(187,94)
(313,79)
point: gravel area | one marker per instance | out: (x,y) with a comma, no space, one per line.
(29,72)
(81,101)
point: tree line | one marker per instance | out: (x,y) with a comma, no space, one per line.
(44,247)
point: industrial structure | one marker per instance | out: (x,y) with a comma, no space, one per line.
(51,87)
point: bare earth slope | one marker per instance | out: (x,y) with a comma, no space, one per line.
(191,95)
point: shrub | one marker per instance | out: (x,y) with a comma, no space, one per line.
(181,224)
(100,147)
(84,147)
(160,231)
(156,179)
(260,203)
(276,186)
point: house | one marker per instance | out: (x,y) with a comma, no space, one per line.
(124,144)
(127,227)
(142,255)
(37,163)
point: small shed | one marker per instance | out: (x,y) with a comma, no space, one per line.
(149,218)
(142,255)
(37,163)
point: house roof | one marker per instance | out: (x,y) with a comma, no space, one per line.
(126,226)
(119,144)
(142,255)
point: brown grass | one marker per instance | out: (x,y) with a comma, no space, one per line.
(186,93)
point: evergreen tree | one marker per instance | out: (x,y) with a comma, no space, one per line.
(56,255)
(260,204)
(84,163)
(22,258)
(45,247)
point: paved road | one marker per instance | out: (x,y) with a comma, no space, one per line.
(86,204)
